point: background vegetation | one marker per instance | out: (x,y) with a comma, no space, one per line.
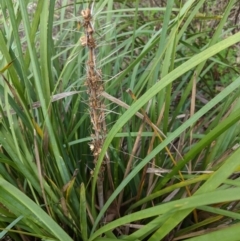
(171,93)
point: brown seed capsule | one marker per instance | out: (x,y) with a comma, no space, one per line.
(83,40)
(89,29)
(86,13)
(91,147)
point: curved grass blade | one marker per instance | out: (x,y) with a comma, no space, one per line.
(174,207)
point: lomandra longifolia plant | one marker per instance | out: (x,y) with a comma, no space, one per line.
(95,88)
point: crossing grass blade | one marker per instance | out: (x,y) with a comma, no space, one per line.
(19,204)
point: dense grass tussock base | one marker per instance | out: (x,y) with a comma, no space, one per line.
(119,120)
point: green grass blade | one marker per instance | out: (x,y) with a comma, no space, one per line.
(20,204)
(83,213)
(231,233)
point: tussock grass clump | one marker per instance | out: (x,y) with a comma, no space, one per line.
(163,160)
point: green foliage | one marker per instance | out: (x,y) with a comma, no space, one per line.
(173,150)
